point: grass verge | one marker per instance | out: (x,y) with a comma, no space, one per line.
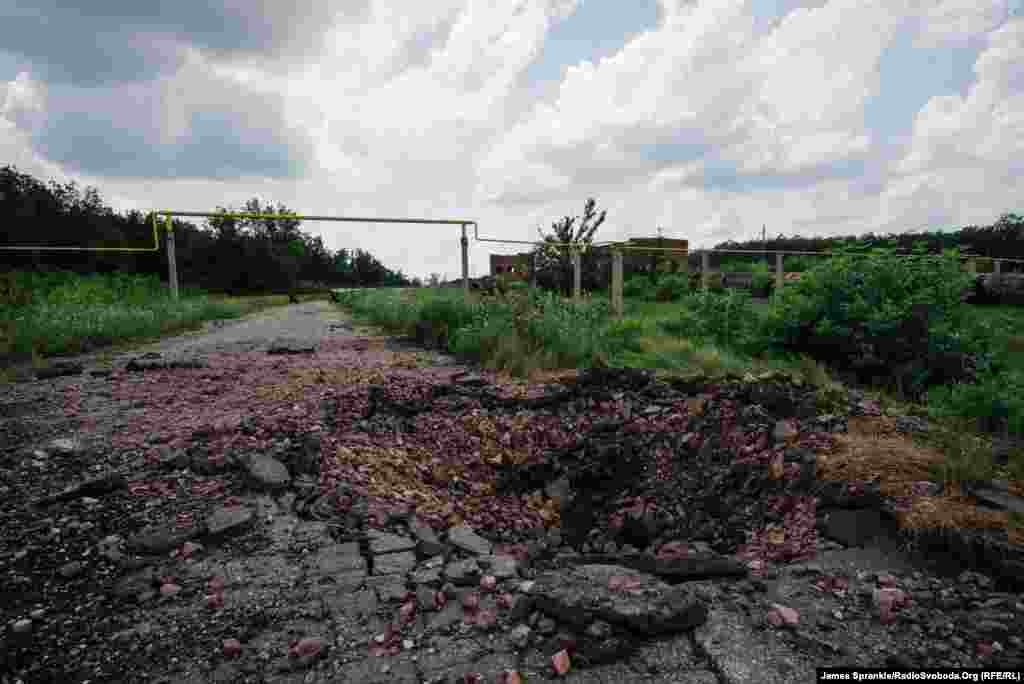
(712,336)
(63,313)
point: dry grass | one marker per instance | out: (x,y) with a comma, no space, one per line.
(872,450)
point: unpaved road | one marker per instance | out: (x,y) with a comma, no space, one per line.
(203,510)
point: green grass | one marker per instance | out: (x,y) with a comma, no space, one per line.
(62,313)
(708,335)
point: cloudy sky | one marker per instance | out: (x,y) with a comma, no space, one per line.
(708,118)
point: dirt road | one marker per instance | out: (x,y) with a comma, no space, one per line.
(289,499)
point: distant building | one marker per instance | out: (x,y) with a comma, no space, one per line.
(513,265)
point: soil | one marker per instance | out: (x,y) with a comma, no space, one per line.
(274,500)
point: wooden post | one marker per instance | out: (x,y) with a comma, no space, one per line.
(576,280)
(617,303)
(172,263)
(705,269)
(465,261)
(779,273)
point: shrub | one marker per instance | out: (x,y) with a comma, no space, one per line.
(725,319)
(716,283)
(876,315)
(672,288)
(762,278)
(636,287)
(798,263)
(624,336)
(995,402)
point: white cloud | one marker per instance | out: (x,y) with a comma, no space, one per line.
(968,152)
(710,124)
(949,22)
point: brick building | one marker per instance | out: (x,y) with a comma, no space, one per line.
(514,265)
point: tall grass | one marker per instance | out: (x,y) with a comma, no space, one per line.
(524,331)
(51,314)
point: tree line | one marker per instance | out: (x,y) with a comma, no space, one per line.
(229,254)
(1002,239)
(224,254)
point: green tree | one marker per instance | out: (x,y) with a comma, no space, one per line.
(554,260)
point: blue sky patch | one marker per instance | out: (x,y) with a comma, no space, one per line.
(595,30)
(909,77)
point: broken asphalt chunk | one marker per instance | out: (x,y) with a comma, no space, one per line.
(98,486)
(620,596)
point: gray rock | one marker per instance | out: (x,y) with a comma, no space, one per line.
(425,598)
(110,547)
(225,522)
(558,489)
(384,542)
(72,569)
(161,538)
(446,617)
(266,472)
(66,445)
(855,527)
(520,636)
(342,601)
(742,654)
(291,348)
(996,494)
(130,587)
(463,573)
(463,537)
(471,380)
(430,577)
(502,567)
(389,588)
(59,369)
(394,563)
(591,592)
(336,559)
(98,486)
(427,543)
(396,670)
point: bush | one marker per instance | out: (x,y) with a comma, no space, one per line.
(725,319)
(995,402)
(798,263)
(876,315)
(716,282)
(762,278)
(672,287)
(636,287)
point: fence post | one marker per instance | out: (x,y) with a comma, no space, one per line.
(465,261)
(576,281)
(972,266)
(705,269)
(617,303)
(172,263)
(779,273)
(997,269)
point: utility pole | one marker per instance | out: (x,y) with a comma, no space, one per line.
(764,241)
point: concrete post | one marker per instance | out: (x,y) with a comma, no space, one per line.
(705,269)
(465,261)
(576,280)
(172,263)
(779,273)
(617,303)
(997,263)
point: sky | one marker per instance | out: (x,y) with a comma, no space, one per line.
(708,119)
